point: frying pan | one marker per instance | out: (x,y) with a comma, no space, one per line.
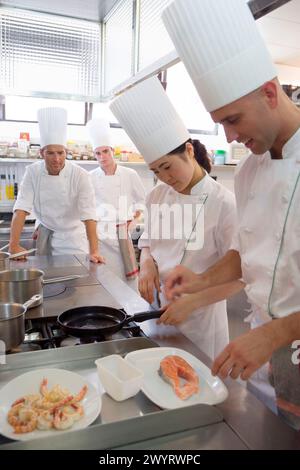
(97,321)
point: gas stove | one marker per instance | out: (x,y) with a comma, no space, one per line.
(45,333)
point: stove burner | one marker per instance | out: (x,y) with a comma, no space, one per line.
(34,336)
(45,333)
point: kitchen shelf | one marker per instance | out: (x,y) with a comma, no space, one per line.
(93,162)
(80,162)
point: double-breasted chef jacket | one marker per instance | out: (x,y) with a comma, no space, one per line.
(61,203)
(118,197)
(206,327)
(268,240)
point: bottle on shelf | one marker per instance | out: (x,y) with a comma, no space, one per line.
(219,157)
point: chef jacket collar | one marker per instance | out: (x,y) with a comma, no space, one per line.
(117,172)
(291,148)
(198,188)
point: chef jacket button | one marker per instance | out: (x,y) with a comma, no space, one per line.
(285,199)
(247,230)
(278,236)
(251,195)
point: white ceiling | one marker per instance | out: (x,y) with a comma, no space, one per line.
(281,30)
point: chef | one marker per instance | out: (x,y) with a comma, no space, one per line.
(120,197)
(236,80)
(198,227)
(61,195)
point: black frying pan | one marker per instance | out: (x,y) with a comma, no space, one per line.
(98,321)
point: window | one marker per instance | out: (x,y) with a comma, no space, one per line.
(49,56)
(185,98)
(25,109)
(101,110)
(118,46)
(154,39)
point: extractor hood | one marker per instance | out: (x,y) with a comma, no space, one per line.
(261,8)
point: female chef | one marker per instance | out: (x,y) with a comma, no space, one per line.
(191,217)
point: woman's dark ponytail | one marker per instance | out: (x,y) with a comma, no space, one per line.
(201,155)
(200,151)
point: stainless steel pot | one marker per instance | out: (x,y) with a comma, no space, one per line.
(12,322)
(18,285)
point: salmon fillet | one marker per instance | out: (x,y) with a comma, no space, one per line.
(173,369)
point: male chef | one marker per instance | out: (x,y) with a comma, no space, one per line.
(120,196)
(222,49)
(61,195)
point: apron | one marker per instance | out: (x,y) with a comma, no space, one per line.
(259,383)
(206,327)
(115,251)
(284,369)
(56,208)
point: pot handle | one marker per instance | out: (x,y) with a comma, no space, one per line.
(63,278)
(143,316)
(4,247)
(33,300)
(22,253)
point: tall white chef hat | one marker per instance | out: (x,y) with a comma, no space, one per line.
(53,126)
(99,132)
(221,48)
(149,118)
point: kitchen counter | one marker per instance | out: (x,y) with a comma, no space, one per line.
(246,423)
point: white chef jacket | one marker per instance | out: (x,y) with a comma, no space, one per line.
(206,327)
(61,203)
(118,197)
(268,239)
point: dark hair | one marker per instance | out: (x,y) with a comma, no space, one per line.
(200,153)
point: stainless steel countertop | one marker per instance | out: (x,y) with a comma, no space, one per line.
(248,423)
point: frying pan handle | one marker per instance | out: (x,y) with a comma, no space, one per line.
(143,316)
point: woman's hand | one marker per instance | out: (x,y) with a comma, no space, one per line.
(180,280)
(178,311)
(148,280)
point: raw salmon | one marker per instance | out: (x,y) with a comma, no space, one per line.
(174,368)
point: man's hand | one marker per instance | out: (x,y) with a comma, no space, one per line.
(180,280)
(17,249)
(177,312)
(96,258)
(247,353)
(148,280)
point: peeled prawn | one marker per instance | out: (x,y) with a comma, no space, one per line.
(62,420)
(22,419)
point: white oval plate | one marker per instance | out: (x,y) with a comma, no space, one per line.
(211,389)
(29,383)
